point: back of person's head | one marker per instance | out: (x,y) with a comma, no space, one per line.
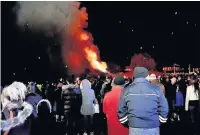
(193,79)
(85,84)
(13,95)
(70,79)
(118,80)
(173,80)
(194,82)
(44,108)
(82,77)
(179,77)
(140,72)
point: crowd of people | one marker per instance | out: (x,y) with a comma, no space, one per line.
(101,105)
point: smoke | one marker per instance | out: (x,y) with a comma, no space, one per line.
(49,17)
(68,20)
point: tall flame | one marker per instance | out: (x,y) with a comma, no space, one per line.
(92,58)
(80,42)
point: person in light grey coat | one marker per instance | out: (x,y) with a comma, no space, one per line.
(87,108)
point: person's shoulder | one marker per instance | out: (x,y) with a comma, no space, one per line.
(153,86)
(108,93)
(156,88)
(129,88)
(190,87)
(132,85)
(161,84)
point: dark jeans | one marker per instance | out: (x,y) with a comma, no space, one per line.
(171,108)
(194,110)
(73,123)
(88,123)
(69,120)
(194,115)
(78,123)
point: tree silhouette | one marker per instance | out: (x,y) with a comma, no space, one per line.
(143,60)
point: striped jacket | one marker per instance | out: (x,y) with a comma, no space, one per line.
(142,105)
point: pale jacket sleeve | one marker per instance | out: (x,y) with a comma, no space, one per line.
(187,98)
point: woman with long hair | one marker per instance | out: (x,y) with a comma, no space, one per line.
(192,100)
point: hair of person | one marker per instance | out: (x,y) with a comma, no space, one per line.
(196,84)
(70,79)
(46,101)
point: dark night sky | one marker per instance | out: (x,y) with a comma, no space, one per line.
(143,24)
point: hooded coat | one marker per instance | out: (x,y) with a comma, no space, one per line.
(88,98)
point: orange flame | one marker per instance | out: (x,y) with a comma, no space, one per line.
(92,58)
(84,36)
(78,49)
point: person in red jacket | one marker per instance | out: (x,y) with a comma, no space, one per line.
(110,105)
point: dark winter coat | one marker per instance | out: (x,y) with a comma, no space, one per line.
(106,87)
(78,100)
(171,93)
(182,87)
(33,99)
(45,124)
(69,98)
(58,102)
(98,88)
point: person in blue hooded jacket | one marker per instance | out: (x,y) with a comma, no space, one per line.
(142,106)
(33,97)
(179,103)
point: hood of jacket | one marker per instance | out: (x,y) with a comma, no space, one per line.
(85,84)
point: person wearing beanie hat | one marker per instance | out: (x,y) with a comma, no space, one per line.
(142,105)
(118,80)
(140,72)
(110,105)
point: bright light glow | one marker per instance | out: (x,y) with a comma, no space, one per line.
(92,58)
(84,36)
